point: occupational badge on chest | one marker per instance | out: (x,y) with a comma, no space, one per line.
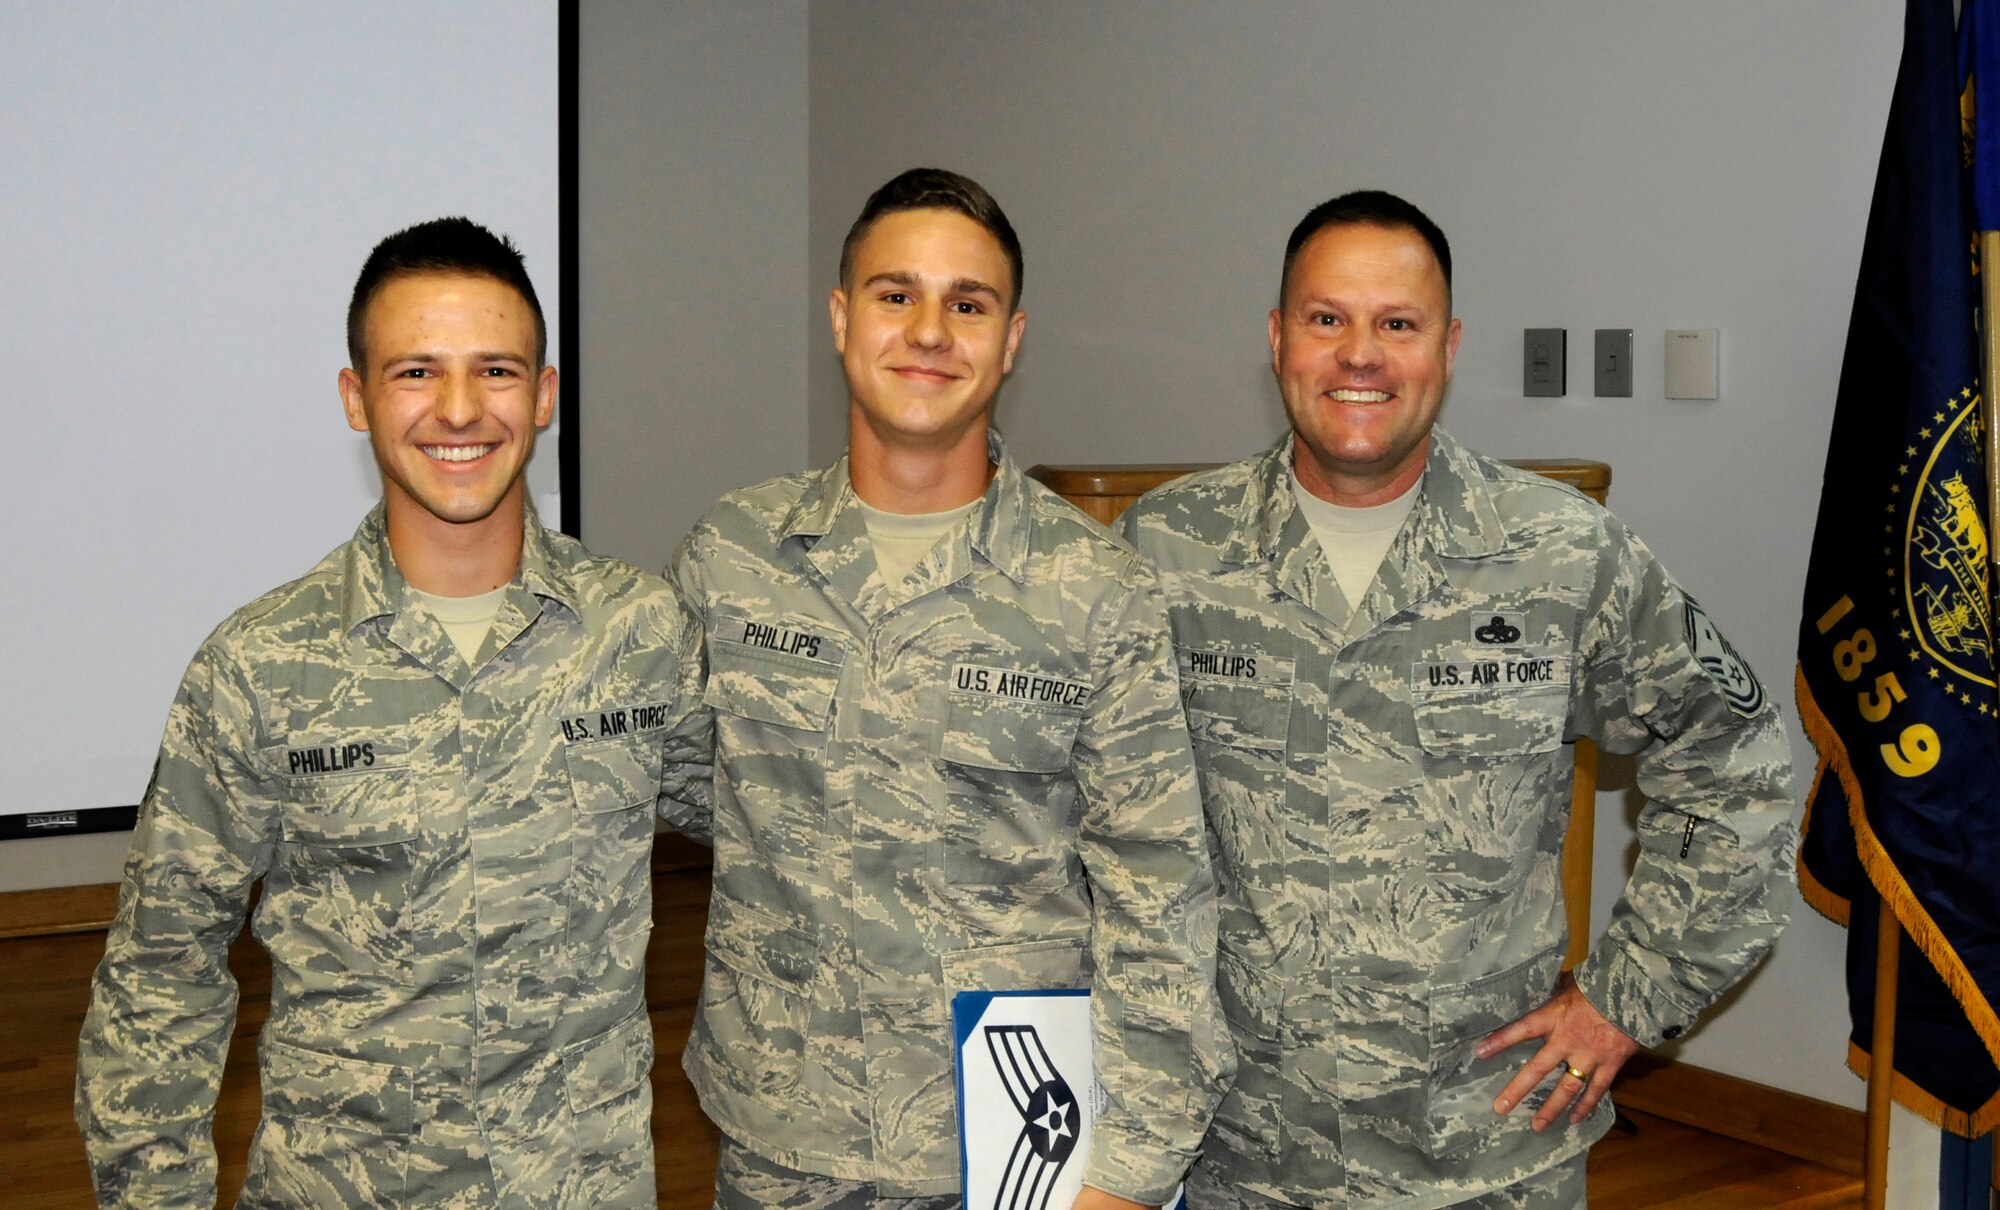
(1496,628)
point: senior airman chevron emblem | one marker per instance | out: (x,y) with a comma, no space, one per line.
(1049,1112)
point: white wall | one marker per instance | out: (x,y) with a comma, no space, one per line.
(693,211)
(1706,163)
(186,195)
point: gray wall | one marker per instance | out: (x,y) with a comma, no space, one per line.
(693,216)
(1700,164)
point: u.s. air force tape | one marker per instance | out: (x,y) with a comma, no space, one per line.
(791,639)
(1516,672)
(615,720)
(1020,685)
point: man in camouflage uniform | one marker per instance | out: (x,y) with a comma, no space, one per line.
(948,757)
(440,750)
(1386,643)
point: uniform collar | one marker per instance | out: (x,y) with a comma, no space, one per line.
(999,530)
(1455,513)
(372,586)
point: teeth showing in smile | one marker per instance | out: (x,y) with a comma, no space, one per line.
(457,453)
(1359,396)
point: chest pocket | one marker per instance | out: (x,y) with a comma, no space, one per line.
(772,715)
(983,732)
(350,854)
(1517,705)
(613,785)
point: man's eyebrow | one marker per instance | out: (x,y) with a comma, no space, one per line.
(1321,300)
(972,285)
(895,278)
(431,359)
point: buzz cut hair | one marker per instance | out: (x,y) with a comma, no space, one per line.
(1368,208)
(936,189)
(442,245)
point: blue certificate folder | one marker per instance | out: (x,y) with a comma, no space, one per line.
(1026,1097)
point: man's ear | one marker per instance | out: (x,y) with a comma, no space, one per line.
(545,397)
(836,307)
(1016,324)
(350,401)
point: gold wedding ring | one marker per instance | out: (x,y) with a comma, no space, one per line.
(1581,1075)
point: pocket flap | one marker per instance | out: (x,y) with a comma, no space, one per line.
(1250,999)
(609,1065)
(611,775)
(988,733)
(1019,966)
(310,1085)
(1478,1007)
(769,688)
(1238,715)
(351,810)
(753,943)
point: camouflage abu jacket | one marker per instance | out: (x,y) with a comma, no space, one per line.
(456,896)
(1389,787)
(975,779)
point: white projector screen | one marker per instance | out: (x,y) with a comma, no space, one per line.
(186,194)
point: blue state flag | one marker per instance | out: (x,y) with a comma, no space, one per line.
(1896,666)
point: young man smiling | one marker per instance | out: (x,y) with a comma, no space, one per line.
(439,750)
(948,757)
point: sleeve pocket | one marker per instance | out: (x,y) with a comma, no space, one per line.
(1158,1035)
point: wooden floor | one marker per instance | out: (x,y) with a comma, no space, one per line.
(42,988)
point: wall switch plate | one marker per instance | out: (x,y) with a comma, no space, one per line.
(1694,363)
(1614,363)
(1542,361)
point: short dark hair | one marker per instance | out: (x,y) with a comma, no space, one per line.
(1367,208)
(442,245)
(936,189)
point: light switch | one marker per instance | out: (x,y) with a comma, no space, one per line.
(1614,363)
(1542,361)
(1693,363)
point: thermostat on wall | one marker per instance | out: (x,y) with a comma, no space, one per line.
(1693,360)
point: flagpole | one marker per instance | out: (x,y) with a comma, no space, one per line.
(1989,344)
(1881,1060)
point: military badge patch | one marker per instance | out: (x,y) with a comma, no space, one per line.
(1497,629)
(1718,658)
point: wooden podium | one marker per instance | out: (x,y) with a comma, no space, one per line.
(1105,491)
